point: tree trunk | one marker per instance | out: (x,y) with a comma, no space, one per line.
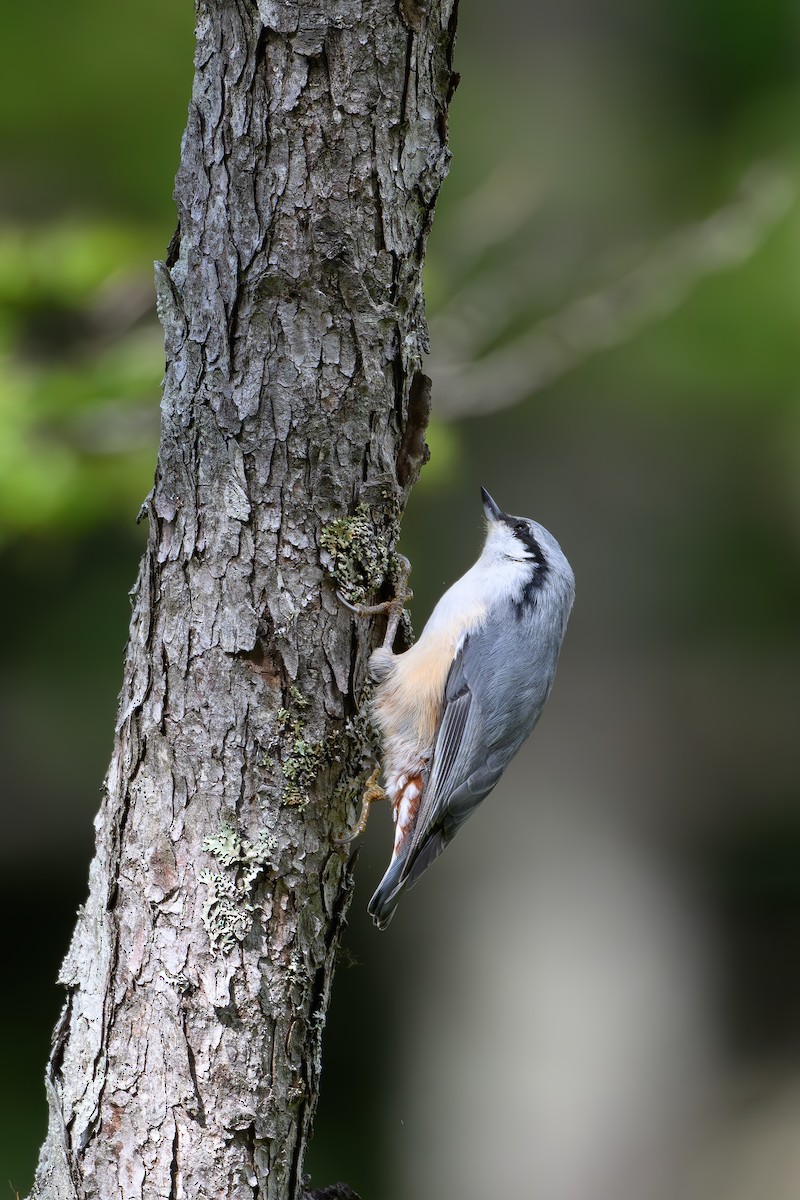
(186,1061)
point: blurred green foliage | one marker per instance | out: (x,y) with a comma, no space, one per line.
(94,106)
(80,358)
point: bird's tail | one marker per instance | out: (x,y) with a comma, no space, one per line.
(403,873)
(387,895)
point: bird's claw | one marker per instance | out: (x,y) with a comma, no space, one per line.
(393,607)
(373,610)
(373,792)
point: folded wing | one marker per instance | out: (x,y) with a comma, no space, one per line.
(461,776)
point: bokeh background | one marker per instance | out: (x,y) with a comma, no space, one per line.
(596,993)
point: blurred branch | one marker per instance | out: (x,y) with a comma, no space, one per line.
(467,384)
(494,211)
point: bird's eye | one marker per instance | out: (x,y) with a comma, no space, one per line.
(520,527)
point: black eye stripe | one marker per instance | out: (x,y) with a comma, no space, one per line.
(522,530)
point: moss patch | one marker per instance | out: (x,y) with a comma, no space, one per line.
(359,554)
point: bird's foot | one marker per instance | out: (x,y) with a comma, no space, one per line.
(393,607)
(373,792)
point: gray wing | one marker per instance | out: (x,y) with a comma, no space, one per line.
(473,748)
(458,781)
(488,713)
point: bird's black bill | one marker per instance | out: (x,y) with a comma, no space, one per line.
(490,508)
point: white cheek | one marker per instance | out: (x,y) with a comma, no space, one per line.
(506,546)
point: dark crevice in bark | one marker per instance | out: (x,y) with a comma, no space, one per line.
(59,1036)
(414,452)
(380,225)
(248,1137)
(200,1114)
(174,247)
(173,1167)
(406,83)
(398,374)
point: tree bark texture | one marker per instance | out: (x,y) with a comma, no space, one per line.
(186,1060)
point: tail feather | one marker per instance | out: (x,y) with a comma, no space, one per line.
(387,895)
(403,874)
(428,852)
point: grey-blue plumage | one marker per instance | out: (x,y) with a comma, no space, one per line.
(498,682)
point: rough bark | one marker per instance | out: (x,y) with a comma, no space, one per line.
(186,1060)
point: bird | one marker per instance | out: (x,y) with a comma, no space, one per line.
(453,709)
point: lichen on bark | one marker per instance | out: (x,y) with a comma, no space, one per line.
(186,1063)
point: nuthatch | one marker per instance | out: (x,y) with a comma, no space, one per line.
(454,709)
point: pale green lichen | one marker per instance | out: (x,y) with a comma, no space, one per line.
(300,759)
(359,554)
(298,699)
(227,910)
(227,915)
(226,846)
(300,768)
(179,982)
